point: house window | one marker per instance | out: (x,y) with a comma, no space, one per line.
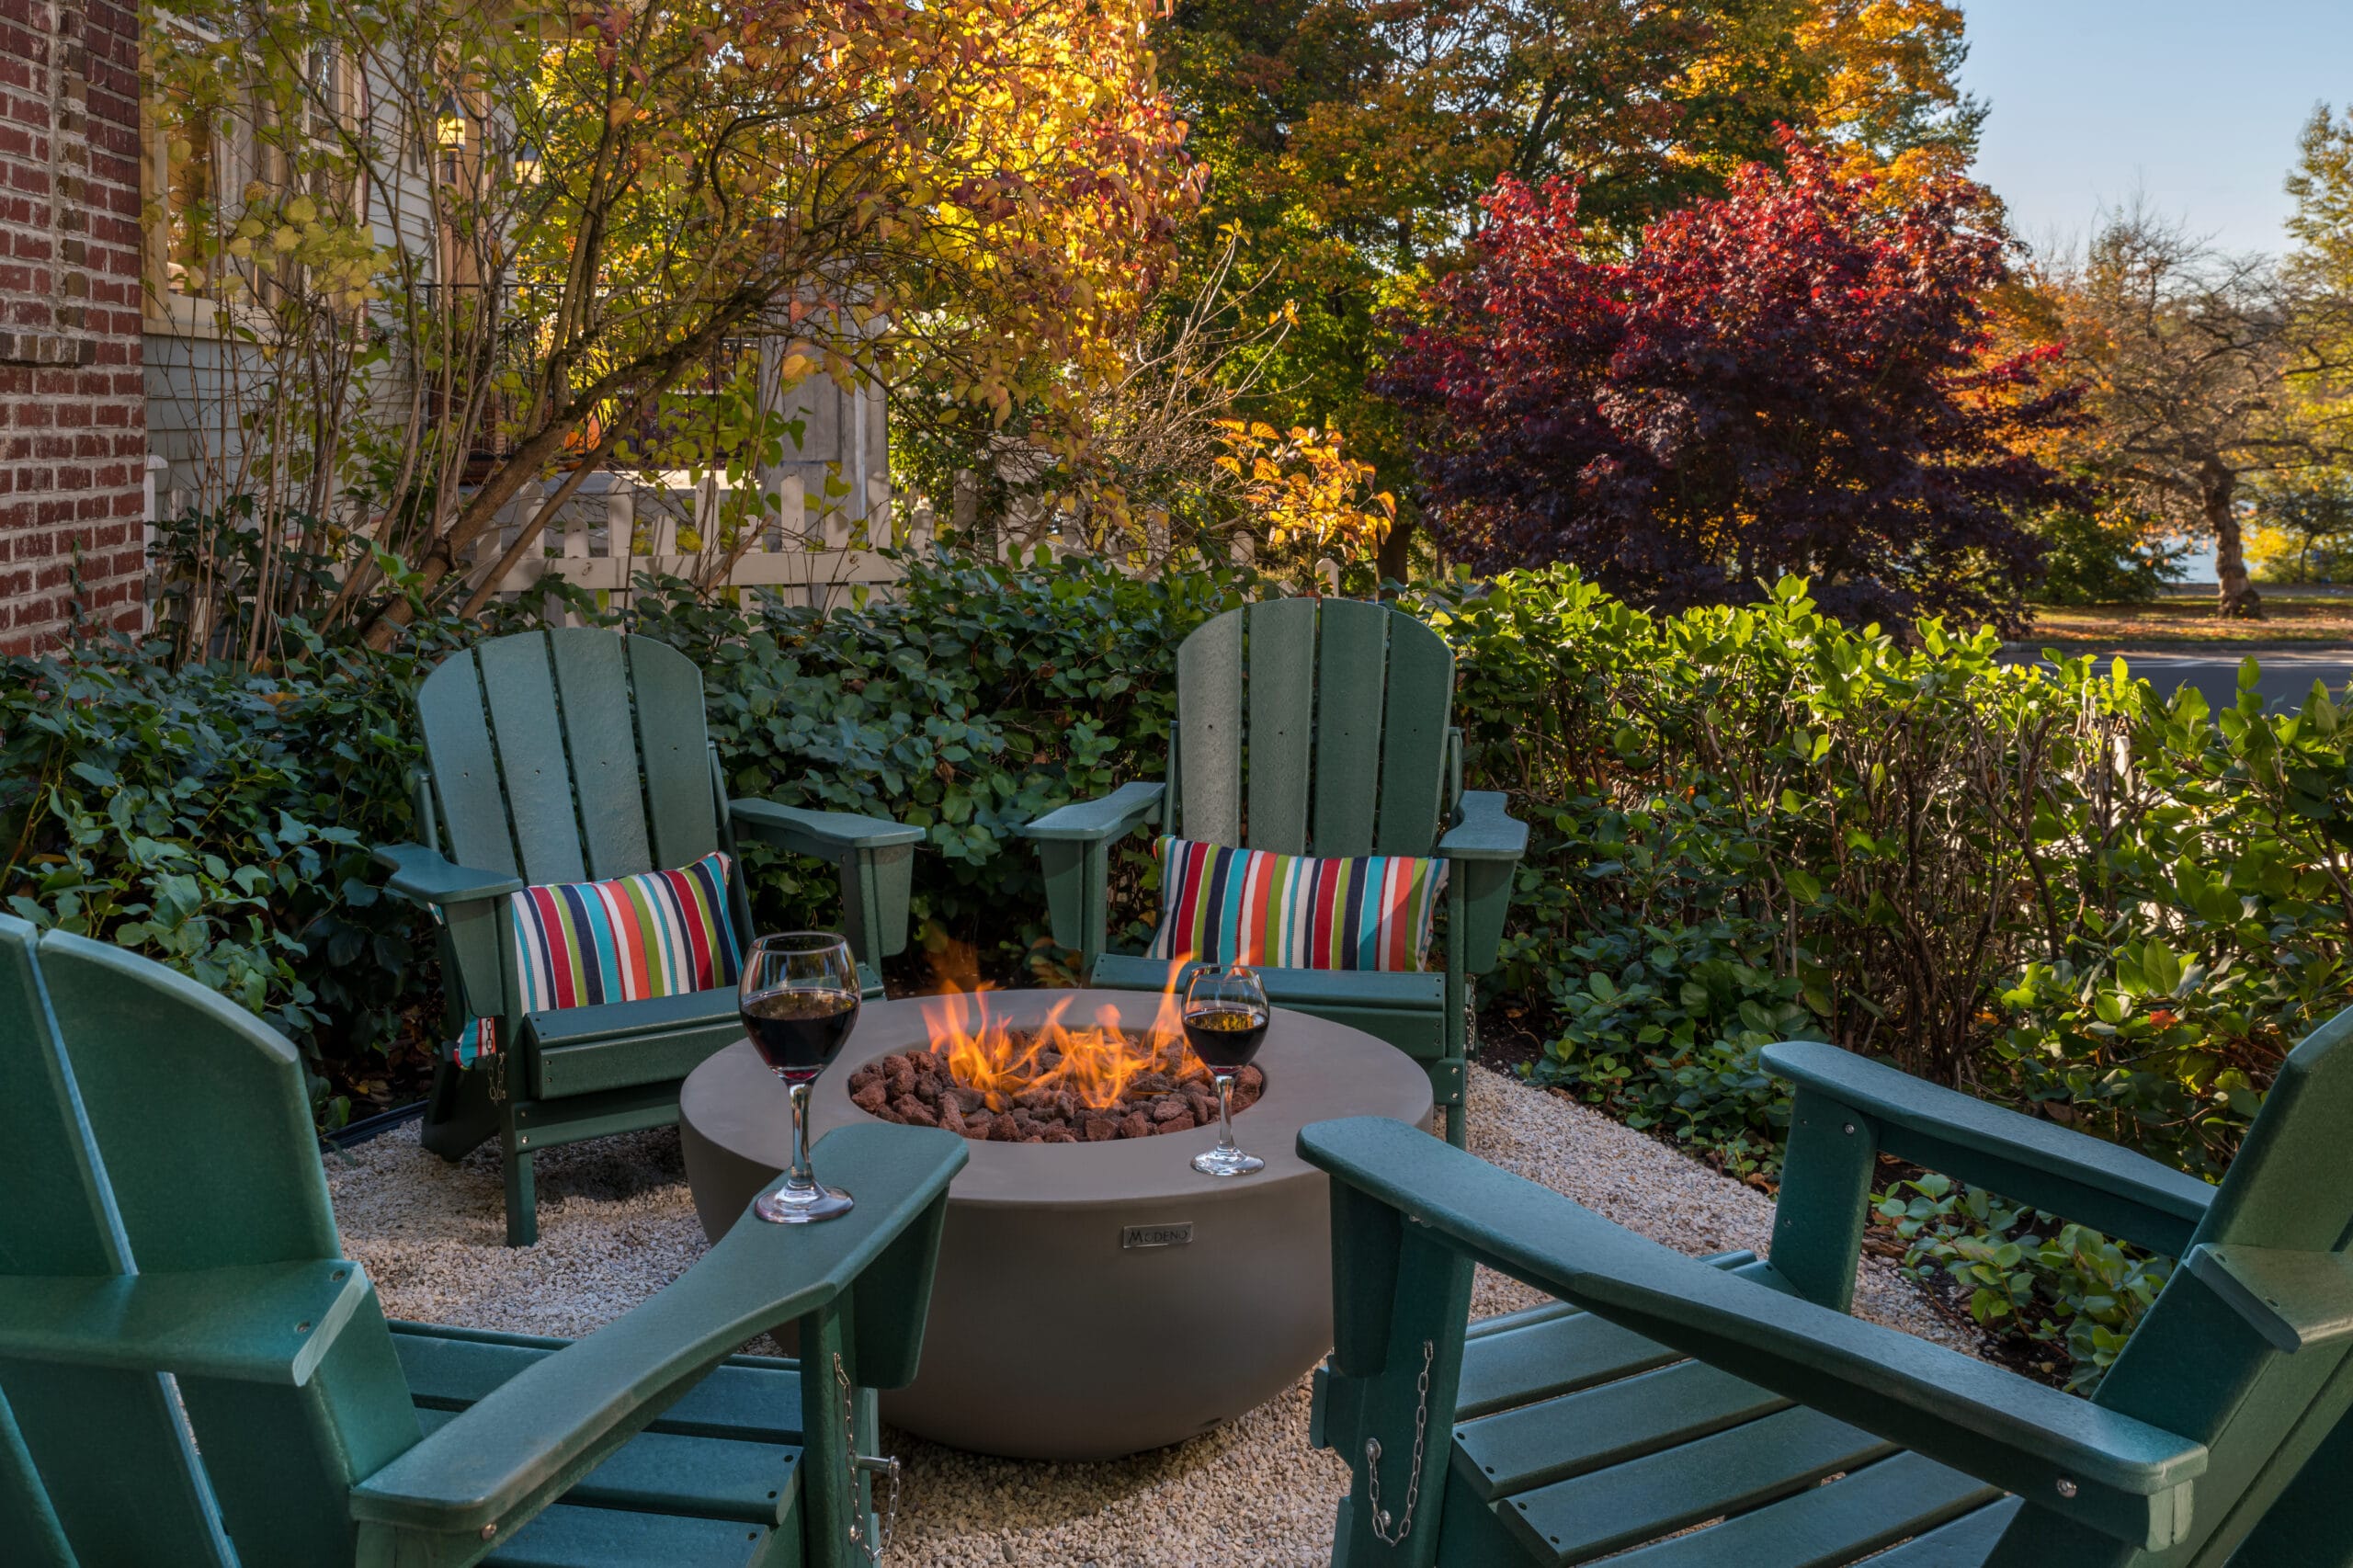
(195,149)
(327,104)
(206,162)
(183,234)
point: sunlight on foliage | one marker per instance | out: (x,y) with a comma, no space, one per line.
(1302,487)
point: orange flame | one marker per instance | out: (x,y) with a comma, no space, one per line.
(1094,1062)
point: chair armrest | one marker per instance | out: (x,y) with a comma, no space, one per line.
(874,856)
(1075,856)
(1482,850)
(2123,1477)
(1113,816)
(827,836)
(428,876)
(2024,1159)
(1485,830)
(489,1471)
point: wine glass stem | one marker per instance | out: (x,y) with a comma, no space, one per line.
(1226,1110)
(800,1177)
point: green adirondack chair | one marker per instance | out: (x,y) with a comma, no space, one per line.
(193,1376)
(574,755)
(1661,1393)
(1315,727)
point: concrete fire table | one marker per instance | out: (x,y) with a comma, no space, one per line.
(1093,1300)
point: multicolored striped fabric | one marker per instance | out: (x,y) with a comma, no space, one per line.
(581,944)
(1294,911)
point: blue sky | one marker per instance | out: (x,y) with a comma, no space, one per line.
(2195,102)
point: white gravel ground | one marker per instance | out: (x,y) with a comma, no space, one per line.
(616,1225)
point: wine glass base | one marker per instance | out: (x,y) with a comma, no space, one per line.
(1227,1163)
(802,1206)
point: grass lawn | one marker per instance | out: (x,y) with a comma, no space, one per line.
(2187,620)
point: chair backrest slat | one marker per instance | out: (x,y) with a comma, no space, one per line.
(68,1427)
(1281,743)
(89,1430)
(464,766)
(520,686)
(197,1109)
(2290,1186)
(1415,710)
(1344,751)
(600,736)
(2196,1365)
(1351,673)
(1208,732)
(59,1217)
(28,1519)
(673,739)
(570,754)
(174,1137)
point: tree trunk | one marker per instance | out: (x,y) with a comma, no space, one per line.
(1395,562)
(2239,596)
(651,374)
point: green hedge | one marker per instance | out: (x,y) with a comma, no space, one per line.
(2046,886)
(220,821)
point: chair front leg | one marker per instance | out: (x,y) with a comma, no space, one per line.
(1458,1011)
(875,889)
(1078,879)
(514,1151)
(1401,1300)
(1824,1204)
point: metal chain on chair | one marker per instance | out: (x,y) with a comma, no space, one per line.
(889,1525)
(1414,1481)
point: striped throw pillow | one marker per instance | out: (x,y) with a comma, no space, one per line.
(1294,911)
(661,934)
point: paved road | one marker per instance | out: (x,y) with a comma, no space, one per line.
(2287,672)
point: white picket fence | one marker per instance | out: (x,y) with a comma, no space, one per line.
(618,527)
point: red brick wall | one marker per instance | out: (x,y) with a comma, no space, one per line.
(73,408)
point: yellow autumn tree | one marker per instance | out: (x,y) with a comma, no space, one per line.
(579,214)
(1888,98)
(1299,488)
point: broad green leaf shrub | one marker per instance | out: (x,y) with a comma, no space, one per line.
(2054,888)
(220,822)
(2066,1289)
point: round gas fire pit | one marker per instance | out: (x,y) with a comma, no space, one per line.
(1094,1299)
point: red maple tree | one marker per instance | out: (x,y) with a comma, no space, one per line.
(1790,378)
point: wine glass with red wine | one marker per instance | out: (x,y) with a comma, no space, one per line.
(1225,1021)
(799,997)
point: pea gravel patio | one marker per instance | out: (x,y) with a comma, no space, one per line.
(617,1223)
